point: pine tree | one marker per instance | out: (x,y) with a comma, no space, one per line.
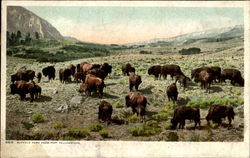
(37,35)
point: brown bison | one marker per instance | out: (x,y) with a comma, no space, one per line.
(217,112)
(195,72)
(138,103)
(50,72)
(22,88)
(172,92)
(171,70)
(182,113)
(182,79)
(92,83)
(216,71)
(107,68)
(233,75)
(25,75)
(134,81)
(64,74)
(37,91)
(39,77)
(127,68)
(205,79)
(156,71)
(79,76)
(105,111)
(79,67)
(98,73)
(72,68)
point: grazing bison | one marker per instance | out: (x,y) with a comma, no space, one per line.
(92,83)
(216,71)
(127,68)
(156,71)
(96,66)
(72,68)
(195,72)
(233,75)
(107,68)
(25,75)
(205,79)
(50,72)
(64,74)
(134,81)
(105,111)
(217,112)
(98,73)
(172,92)
(39,76)
(79,76)
(182,79)
(138,103)
(22,88)
(171,70)
(182,113)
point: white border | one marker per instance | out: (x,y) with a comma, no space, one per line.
(129,148)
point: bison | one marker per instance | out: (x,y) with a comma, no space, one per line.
(107,68)
(217,112)
(216,71)
(138,103)
(171,70)
(156,71)
(98,73)
(172,92)
(205,79)
(127,68)
(50,72)
(79,76)
(134,81)
(234,75)
(64,74)
(195,72)
(105,111)
(25,75)
(38,91)
(182,113)
(182,79)
(72,68)
(39,77)
(92,83)
(22,88)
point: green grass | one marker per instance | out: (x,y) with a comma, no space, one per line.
(146,129)
(161,116)
(58,125)
(118,104)
(172,136)
(78,132)
(104,133)
(95,127)
(133,119)
(37,117)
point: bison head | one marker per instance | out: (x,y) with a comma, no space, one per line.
(174,123)
(13,78)
(127,100)
(83,88)
(150,71)
(13,89)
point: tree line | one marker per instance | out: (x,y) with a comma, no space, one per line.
(16,38)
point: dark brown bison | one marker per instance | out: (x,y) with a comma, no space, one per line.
(98,73)
(105,111)
(182,113)
(138,103)
(217,112)
(96,66)
(172,92)
(50,72)
(134,81)
(72,68)
(22,88)
(25,75)
(107,68)
(234,75)
(156,71)
(64,75)
(216,71)
(205,79)
(37,91)
(39,77)
(171,70)
(127,68)
(195,72)
(79,76)
(92,83)
(182,79)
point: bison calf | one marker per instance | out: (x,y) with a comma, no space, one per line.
(134,81)
(172,92)
(182,79)
(217,112)
(105,111)
(183,113)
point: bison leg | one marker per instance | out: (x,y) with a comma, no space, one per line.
(32,97)
(130,87)
(22,96)
(136,87)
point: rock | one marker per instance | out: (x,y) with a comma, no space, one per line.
(77,99)
(55,92)
(63,108)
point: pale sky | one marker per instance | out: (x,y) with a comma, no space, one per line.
(120,25)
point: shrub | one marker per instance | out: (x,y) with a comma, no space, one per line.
(172,136)
(194,137)
(118,104)
(78,132)
(133,119)
(37,117)
(104,133)
(160,116)
(95,127)
(126,114)
(156,103)
(146,129)
(166,125)
(236,91)
(122,81)
(58,125)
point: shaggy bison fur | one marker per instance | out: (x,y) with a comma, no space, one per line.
(105,111)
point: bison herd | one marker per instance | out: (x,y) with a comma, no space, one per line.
(92,78)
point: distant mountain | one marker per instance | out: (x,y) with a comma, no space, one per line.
(19,18)
(227,32)
(72,39)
